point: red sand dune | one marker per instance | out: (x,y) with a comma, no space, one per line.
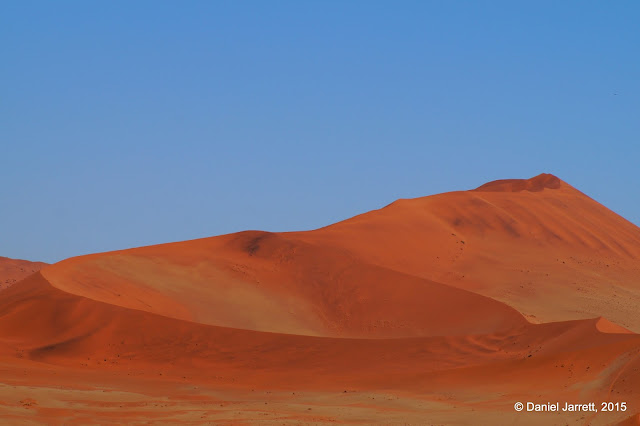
(408,314)
(13,270)
(546,249)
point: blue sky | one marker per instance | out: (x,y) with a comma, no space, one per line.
(132,123)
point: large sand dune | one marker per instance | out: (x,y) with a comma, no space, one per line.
(445,309)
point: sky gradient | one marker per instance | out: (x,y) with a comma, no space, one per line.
(125,124)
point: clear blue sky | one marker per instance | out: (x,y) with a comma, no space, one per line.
(128,123)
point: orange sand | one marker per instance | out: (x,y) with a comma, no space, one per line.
(14,270)
(445,309)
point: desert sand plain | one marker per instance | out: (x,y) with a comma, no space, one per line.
(446,309)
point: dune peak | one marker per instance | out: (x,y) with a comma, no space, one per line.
(535,184)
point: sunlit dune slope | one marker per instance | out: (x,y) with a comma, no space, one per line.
(538,245)
(13,270)
(273,282)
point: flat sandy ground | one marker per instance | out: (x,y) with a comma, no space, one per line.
(98,399)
